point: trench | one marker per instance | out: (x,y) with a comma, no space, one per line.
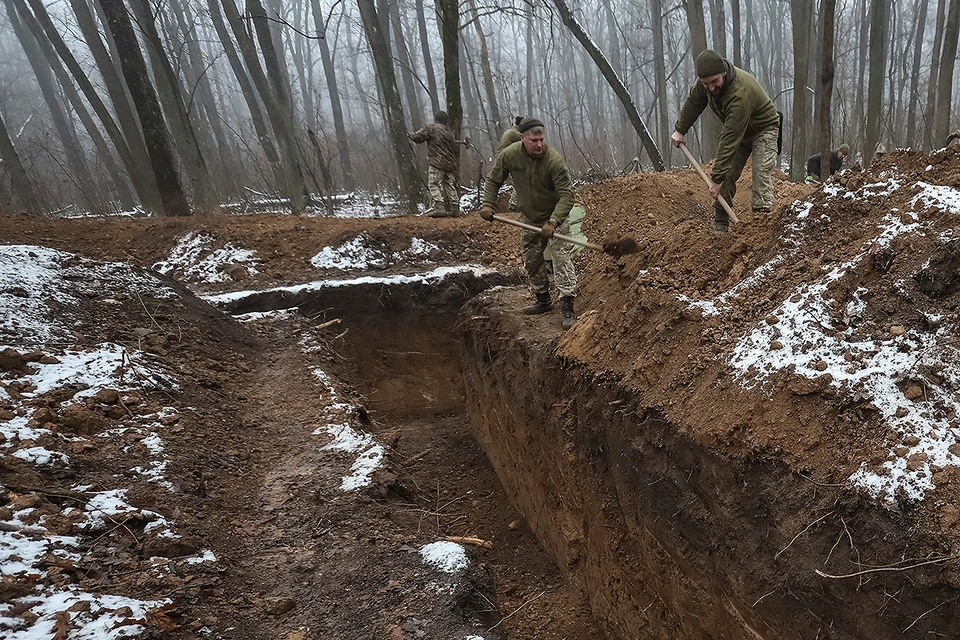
(402,353)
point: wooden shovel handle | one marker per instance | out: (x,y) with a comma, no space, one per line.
(696,165)
(558,236)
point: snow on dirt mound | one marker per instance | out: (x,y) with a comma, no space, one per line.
(196,258)
(823,334)
(358,254)
(80,428)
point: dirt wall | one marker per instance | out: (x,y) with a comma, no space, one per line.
(672,538)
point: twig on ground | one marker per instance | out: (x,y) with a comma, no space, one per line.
(892,568)
(149,315)
(829,513)
(926,612)
(505,618)
(477,542)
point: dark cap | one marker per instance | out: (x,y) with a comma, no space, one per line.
(441,117)
(528,123)
(710,63)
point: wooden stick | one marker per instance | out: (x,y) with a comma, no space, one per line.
(477,542)
(532,227)
(696,165)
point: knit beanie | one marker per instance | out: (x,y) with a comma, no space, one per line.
(709,63)
(528,123)
(844,149)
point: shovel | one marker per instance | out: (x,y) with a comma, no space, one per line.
(696,165)
(617,248)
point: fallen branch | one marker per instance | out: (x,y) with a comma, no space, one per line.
(328,323)
(27,531)
(882,569)
(477,542)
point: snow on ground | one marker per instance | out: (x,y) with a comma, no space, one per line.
(41,289)
(431,277)
(196,258)
(41,284)
(879,367)
(448,557)
(356,254)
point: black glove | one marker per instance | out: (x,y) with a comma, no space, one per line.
(548,228)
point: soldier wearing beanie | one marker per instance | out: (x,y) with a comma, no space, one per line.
(836,161)
(545,198)
(751,127)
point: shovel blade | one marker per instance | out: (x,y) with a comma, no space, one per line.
(622,247)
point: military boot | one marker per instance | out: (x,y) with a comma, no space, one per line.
(542,305)
(566,310)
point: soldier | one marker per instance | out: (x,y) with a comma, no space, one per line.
(441,165)
(836,161)
(511,135)
(751,126)
(545,197)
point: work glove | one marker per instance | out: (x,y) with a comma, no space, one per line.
(486,212)
(548,228)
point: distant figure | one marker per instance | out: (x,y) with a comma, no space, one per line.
(751,127)
(511,135)
(836,161)
(953,140)
(441,165)
(545,194)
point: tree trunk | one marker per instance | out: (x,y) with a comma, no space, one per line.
(878,41)
(333,90)
(66,131)
(934,74)
(246,88)
(614,81)
(914,95)
(487,73)
(148,108)
(138,160)
(281,116)
(800,11)
(829,10)
(947,62)
(427,57)
(174,108)
(709,126)
(660,78)
(405,62)
(50,40)
(528,85)
(735,17)
(860,106)
(23,189)
(448,20)
(719,27)
(410,182)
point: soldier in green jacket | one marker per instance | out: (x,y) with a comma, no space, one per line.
(545,198)
(751,126)
(510,136)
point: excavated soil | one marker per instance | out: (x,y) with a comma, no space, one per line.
(639,476)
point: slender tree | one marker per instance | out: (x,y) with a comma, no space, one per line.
(878,40)
(23,189)
(410,182)
(649,145)
(829,9)
(947,63)
(427,56)
(448,21)
(145,99)
(934,73)
(800,11)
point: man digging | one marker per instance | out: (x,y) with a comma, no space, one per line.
(441,165)
(751,126)
(545,199)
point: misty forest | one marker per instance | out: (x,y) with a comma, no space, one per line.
(173,107)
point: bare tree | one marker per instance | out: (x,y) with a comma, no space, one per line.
(947,63)
(829,9)
(427,57)
(878,40)
(410,182)
(653,152)
(448,21)
(145,99)
(934,73)
(23,189)
(801,11)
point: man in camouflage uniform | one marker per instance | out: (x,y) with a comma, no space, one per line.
(545,198)
(441,165)
(751,126)
(510,136)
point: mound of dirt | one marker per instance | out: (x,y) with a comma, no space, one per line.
(822,334)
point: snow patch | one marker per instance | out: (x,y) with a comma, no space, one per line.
(448,557)
(195,259)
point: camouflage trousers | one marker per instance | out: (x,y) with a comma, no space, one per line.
(443,189)
(564,273)
(763,149)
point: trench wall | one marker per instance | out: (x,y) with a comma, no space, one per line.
(669,538)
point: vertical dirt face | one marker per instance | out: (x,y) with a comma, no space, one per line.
(672,538)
